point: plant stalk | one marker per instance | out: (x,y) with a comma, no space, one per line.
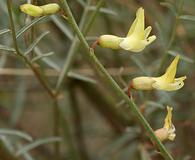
(105,75)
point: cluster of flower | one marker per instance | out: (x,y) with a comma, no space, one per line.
(135,41)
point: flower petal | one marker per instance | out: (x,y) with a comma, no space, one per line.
(171,133)
(147,31)
(150,39)
(168,119)
(171,71)
(161,85)
(132,44)
(132,28)
(127,43)
(137,28)
(180,78)
(171,136)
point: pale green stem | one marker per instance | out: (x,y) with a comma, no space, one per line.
(33,68)
(39,78)
(105,75)
(72,51)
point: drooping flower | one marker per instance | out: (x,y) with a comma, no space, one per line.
(167,132)
(37,11)
(166,82)
(136,40)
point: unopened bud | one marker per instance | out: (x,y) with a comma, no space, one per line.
(110,41)
(31,10)
(37,11)
(50,8)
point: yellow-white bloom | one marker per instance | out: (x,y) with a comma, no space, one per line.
(37,11)
(136,40)
(166,82)
(167,132)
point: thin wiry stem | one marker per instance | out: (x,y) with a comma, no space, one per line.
(39,78)
(105,75)
(72,51)
(33,68)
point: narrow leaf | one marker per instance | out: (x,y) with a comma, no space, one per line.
(42,56)
(170,6)
(81,2)
(26,155)
(161,35)
(35,42)
(47,60)
(81,77)
(55,66)
(7,144)
(37,143)
(187,17)
(20,97)
(140,65)
(15,133)
(6,48)
(154,104)
(104,10)
(25,28)
(62,26)
(183,57)
(3,31)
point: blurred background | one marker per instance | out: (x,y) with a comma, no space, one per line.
(100,124)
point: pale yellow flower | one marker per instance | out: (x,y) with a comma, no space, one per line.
(136,40)
(166,82)
(37,11)
(167,132)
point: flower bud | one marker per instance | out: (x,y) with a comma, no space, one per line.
(51,8)
(31,10)
(142,83)
(166,134)
(110,41)
(37,11)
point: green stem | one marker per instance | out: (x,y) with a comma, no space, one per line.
(39,78)
(33,68)
(72,51)
(105,75)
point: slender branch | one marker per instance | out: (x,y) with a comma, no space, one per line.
(49,91)
(33,68)
(39,78)
(105,75)
(75,45)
